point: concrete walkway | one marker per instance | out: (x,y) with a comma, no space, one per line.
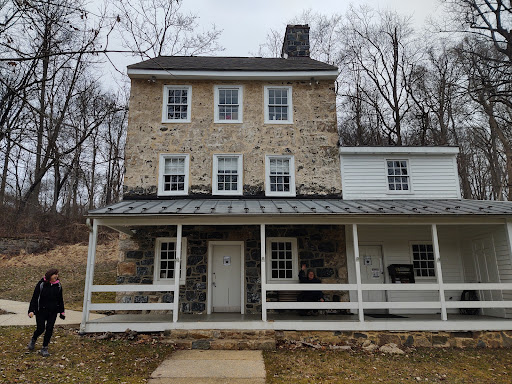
(18,315)
(211,367)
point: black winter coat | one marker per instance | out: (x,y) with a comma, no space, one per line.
(47,297)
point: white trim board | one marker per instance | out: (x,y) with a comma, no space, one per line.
(231,75)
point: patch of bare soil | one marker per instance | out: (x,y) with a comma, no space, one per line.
(64,255)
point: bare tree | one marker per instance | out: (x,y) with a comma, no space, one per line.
(152,28)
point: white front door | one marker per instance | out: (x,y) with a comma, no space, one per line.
(372,271)
(226,276)
(487,272)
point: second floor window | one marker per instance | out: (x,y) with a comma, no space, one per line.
(177,100)
(227,174)
(278,105)
(228,104)
(173,178)
(398,176)
(280,176)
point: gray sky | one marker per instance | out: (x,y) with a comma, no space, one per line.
(246,23)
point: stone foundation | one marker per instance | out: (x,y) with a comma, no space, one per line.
(481,339)
(322,248)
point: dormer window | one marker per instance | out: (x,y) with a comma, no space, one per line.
(228,104)
(176,108)
(398,176)
(173,175)
(280,176)
(278,105)
(227,174)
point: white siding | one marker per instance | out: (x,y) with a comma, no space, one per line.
(497,234)
(396,246)
(432,176)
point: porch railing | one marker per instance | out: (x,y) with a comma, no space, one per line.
(132,306)
(362,305)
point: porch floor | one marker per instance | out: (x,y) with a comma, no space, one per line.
(292,321)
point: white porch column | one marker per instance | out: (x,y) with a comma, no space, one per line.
(89,273)
(263,242)
(355,238)
(177,270)
(439,272)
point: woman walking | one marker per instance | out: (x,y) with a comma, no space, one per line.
(46,304)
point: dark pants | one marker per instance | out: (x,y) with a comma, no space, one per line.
(45,322)
(310,296)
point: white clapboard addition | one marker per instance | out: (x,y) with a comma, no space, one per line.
(432,172)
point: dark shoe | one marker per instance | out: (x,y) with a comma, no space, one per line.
(44,352)
(31,345)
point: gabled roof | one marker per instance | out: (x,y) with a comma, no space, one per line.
(214,63)
(298,206)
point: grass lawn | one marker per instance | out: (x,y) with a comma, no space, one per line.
(482,366)
(78,359)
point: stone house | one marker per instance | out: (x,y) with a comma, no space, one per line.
(234,180)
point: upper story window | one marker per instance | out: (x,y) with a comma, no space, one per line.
(398,176)
(227,174)
(173,175)
(278,105)
(165,260)
(282,256)
(279,176)
(176,108)
(228,104)
(423,260)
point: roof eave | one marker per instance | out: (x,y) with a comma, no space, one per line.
(231,75)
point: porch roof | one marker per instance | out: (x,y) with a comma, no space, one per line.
(302,206)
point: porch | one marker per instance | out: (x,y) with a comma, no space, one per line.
(430,304)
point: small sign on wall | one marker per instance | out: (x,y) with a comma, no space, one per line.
(226,260)
(375,273)
(367,260)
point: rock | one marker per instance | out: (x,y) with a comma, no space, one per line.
(341,347)
(391,348)
(371,347)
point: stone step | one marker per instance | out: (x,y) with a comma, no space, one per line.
(222,339)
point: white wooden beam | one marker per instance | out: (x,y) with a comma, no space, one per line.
(439,272)
(263,242)
(133,288)
(177,271)
(508,230)
(89,274)
(358,273)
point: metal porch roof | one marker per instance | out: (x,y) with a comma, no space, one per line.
(303,206)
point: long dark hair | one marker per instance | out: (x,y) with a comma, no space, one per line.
(48,275)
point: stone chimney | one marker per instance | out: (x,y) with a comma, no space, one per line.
(296,41)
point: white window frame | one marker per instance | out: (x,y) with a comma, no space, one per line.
(290,105)
(295,260)
(216,99)
(165,118)
(409,178)
(183,260)
(161,170)
(268,191)
(423,242)
(239,190)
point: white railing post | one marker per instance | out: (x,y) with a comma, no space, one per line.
(439,272)
(177,272)
(89,273)
(358,273)
(263,274)
(508,230)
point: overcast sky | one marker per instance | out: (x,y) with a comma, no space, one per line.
(245,24)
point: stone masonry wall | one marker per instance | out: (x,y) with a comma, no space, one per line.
(320,247)
(312,139)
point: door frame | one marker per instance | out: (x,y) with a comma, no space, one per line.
(209,301)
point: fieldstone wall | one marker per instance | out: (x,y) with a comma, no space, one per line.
(12,246)
(481,339)
(312,138)
(320,247)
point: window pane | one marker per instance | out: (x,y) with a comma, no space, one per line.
(423,260)
(177,104)
(281,260)
(398,176)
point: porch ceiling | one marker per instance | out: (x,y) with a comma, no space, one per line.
(300,206)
